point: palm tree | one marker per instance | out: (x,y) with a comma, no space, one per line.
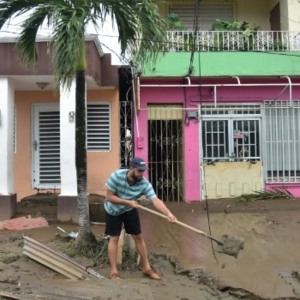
(140,27)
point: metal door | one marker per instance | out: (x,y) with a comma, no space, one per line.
(46,147)
(165,132)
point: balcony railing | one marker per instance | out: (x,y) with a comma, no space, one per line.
(232,41)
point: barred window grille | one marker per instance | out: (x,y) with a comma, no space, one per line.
(282,126)
(230,132)
(49,148)
(231,109)
(99,127)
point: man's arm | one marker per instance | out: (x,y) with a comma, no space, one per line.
(160,205)
(112,197)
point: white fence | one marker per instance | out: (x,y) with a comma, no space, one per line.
(232,41)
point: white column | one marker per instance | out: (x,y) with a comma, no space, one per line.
(6,136)
(67,141)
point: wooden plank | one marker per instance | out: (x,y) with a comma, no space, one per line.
(9,295)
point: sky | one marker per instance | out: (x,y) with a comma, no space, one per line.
(108,36)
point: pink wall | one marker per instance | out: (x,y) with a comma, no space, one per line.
(192,97)
(294,189)
(191,146)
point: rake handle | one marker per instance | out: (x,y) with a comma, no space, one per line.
(180,223)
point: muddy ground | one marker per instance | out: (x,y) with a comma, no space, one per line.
(191,268)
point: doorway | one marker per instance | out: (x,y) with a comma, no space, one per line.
(165,155)
(46,147)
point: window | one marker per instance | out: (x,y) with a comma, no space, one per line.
(230,133)
(98,127)
(282,126)
(208,14)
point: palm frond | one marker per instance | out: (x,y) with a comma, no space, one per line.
(140,28)
(278,193)
(26,42)
(67,42)
(14,8)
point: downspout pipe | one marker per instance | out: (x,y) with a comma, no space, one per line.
(238,79)
(290,88)
(188,79)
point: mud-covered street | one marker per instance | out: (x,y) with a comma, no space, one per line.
(190,266)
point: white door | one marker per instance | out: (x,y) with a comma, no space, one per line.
(46,147)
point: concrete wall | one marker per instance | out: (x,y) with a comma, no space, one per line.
(100,164)
(291,15)
(256,12)
(191,98)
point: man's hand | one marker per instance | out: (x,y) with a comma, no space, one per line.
(171,217)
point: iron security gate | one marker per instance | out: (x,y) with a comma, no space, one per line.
(282,141)
(46,147)
(231,150)
(230,140)
(125,133)
(165,132)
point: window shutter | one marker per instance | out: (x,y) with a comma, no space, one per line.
(49,147)
(98,127)
(208,14)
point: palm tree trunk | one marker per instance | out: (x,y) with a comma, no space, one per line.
(85,235)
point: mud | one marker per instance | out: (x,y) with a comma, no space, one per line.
(191,268)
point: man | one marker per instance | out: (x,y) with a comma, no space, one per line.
(124,187)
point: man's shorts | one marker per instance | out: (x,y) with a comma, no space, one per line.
(129,219)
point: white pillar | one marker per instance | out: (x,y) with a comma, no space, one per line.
(67,141)
(6,136)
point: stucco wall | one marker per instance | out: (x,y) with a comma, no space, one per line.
(256,12)
(190,135)
(176,64)
(192,97)
(23,156)
(100,164)
(291,15)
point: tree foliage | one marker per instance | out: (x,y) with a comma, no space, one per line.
(140,29)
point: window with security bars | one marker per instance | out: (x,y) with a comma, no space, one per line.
(99,127)
(228,109)
(231,140)
(231,133)
(282,142)
(215,139)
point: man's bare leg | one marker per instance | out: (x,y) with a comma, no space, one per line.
(113,255)
(142,250)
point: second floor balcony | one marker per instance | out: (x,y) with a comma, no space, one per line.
(182,41)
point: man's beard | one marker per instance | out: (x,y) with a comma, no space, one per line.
(136,178)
